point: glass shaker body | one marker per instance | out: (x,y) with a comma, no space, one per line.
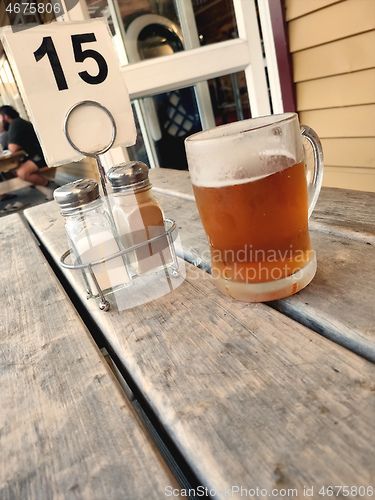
(139,218)
(92,238)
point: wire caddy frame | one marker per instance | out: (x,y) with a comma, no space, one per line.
(169,224)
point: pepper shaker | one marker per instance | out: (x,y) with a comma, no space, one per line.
(139,217)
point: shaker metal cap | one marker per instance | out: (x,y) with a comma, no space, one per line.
(130,174)
(76,194)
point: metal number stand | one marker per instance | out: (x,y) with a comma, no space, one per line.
(104,305)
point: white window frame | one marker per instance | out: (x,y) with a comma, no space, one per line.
(198,64)
(189,67)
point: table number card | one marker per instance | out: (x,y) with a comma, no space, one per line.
(59,65)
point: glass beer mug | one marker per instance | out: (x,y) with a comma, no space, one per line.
(254,195)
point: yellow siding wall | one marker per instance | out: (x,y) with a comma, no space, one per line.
(333,49)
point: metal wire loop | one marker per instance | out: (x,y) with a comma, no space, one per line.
(66,254)
(114,129)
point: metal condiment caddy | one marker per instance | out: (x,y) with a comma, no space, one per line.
(87,269)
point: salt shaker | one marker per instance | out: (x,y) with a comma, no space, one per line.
(91,235)
(139,217)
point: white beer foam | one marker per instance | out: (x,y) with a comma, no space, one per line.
(228,169)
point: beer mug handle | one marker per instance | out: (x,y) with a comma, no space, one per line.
(314,173)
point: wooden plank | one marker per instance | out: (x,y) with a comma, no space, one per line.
(248,396)
(340,20)
(13,185)
(65,428)
(354,121)
(173,182)
(349,152)
(335,58)
(296,8)
(344,211)
(337,91)
(339,301)
(362,179)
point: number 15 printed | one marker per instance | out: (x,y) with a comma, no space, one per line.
(47,47)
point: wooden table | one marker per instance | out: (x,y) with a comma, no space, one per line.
(10,161)
(277,396)
(66,429)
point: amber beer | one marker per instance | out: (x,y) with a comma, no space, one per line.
(257,230)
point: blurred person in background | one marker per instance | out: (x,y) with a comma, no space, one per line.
(21,136)
(4,145)
(3,138)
